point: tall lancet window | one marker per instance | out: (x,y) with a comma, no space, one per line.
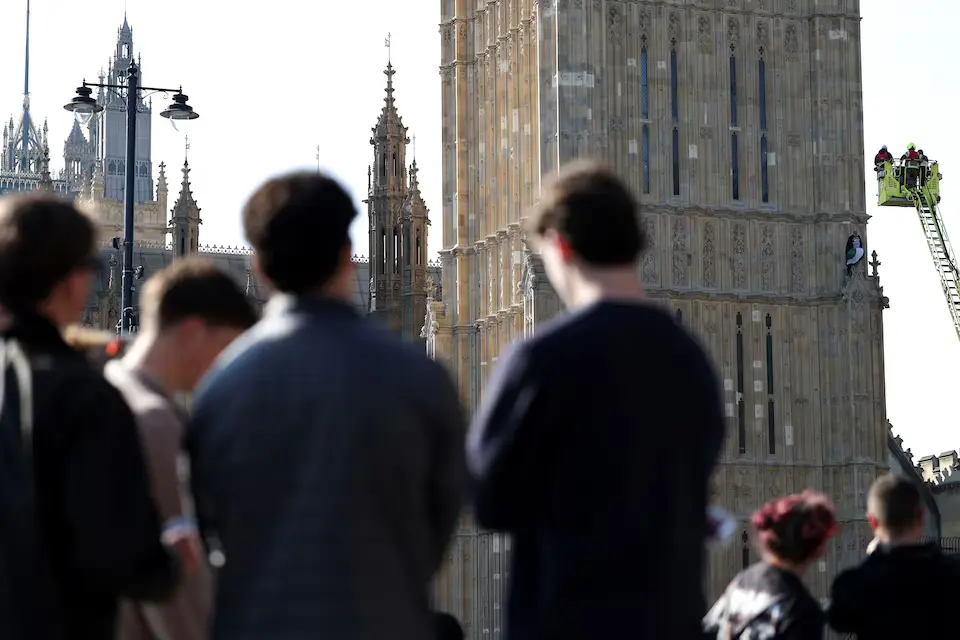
(397,250)
(762,93)
(771,419)
(734,129)
(679,316)
(645,116)
(382,262)
(741,416)
(419,250)
(745,549)
(675,114)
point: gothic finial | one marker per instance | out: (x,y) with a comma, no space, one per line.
(414,148)
(46,183)
(387,43)
(874,264)
(430,288)
(186,149)
(318,158)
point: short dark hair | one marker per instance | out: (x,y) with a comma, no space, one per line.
(594,210)
(794,527)
(299,225)
(895,502)
(195,288)
(448,627)
(43,239)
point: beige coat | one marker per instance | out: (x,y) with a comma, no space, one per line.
(161,430)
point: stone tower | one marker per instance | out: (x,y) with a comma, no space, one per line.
(114,127)
(398,226)
(739,125)
(185,219)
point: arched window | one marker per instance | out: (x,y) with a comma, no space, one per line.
(382,262)
(745,549)
(771,418)
(397,250)
(675,113)
(741,408)
(419,250)
(645,115)
(734,140)
(762,97)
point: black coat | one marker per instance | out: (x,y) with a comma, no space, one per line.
(96,528)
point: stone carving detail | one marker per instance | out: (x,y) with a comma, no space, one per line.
(616,125)
(738,259)
(733,33)
(708,255)
(681,252)
(704,35)
(797,262)
(706,133)
(762,5)
(614,31)
(644,20)
(790,5)
(763,33)
(793,139)
(791,47)
(674,29)
(650,274)
(768,266)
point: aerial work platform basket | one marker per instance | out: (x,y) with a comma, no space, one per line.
(894,182)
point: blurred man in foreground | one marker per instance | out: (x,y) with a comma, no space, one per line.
(575,448)
(79,527)
(327,456)
(190,312)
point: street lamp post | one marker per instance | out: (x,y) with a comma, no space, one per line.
(84,105)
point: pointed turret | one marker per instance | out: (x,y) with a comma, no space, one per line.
(397,226)
(185,221)
(97,186)
(46,182)
(162,190)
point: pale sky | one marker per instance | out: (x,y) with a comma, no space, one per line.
(271,85)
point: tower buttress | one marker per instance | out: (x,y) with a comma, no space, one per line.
(185,221)
(414,221)
(386,196)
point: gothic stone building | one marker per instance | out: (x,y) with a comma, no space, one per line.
(740,125)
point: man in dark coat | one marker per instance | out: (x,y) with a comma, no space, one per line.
(581,424)
(327,455)
(78,528)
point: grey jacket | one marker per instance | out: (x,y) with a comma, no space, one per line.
(328,462)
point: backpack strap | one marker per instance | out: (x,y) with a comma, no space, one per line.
(12,354)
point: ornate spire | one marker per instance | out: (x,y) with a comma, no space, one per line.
(185,206)
(46,183)
(162,179)
(98,176)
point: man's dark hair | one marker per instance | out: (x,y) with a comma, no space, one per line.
(895,502)
(195,288)
(448,627)
(43,239)
(595,212)
(299,225)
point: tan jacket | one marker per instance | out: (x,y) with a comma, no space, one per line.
(162,424)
